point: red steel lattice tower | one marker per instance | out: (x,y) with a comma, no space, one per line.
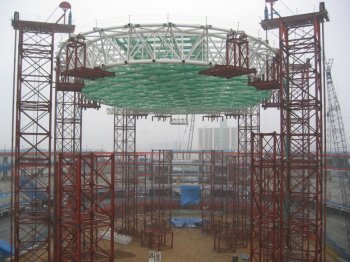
(267,199)
(212,165)
(302,146)
(68,132)
(32,174)
(124,148)
(85,205)
(301,130)
(225,235)
(68,120)
(71,72)
(248,122)
(157,232)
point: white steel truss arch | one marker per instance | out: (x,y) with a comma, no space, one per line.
(166,43)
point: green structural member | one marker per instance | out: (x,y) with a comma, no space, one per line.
(172,89)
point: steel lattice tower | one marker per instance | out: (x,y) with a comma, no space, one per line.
(77,199)
(301,132)
(267,197)
(85,205)
(124,148)
(301,165)
(32,174)
(339,141)
(248,123)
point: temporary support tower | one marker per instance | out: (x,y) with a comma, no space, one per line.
(267,199)
(32,207)
(301,99)
(248,122)
(126,177)
(85,206)
(157,232)
(68,120)
(212,164)
(225,233)
(143,174)
(70,75)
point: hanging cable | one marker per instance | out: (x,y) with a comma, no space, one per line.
(183,137)
(51,14)
(290,10)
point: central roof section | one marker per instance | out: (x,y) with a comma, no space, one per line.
(172,89)
(157,69)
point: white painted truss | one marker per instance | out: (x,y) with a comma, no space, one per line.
(166,43)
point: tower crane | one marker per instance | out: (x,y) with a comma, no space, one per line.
(190,134)
(339,142)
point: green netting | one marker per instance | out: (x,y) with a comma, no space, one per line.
(172,89)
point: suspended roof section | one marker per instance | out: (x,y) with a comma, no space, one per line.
(172,89)
(157,68)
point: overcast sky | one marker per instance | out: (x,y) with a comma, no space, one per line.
(244,14)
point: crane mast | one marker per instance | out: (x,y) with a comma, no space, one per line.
(339,141)
(190,134)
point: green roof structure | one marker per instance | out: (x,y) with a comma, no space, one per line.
(157,68)
(172,89)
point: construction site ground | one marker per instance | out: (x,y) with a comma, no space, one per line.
(190,244)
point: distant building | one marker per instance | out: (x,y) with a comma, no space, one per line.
(218,138)
(5,161)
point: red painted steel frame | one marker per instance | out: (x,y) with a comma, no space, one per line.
(248,122)
(237,50)
(68,126)
(157,232)
(237,58)
(85,205)
(225,235)
(240,201)
(143,173)
(270,80)
(33,114)
(69,100)
(213,172)
(301,133)
(68,120)
(126,180)
(266,241)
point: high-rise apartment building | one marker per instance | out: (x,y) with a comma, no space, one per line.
(218,138)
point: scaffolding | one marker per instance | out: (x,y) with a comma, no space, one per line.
(212,187)
(33,129)
(302,148)
(266,199)
(285,171)
(157,232)
(301,131)
(126,172)
(68,120)
(85,207)
(225,234)
(248,122)
(70,74)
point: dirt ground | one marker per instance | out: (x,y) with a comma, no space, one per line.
(190,245)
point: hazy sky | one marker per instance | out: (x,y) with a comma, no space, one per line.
(244,14)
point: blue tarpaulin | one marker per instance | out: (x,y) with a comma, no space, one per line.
(190,195)
(186,222)
(5,248)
